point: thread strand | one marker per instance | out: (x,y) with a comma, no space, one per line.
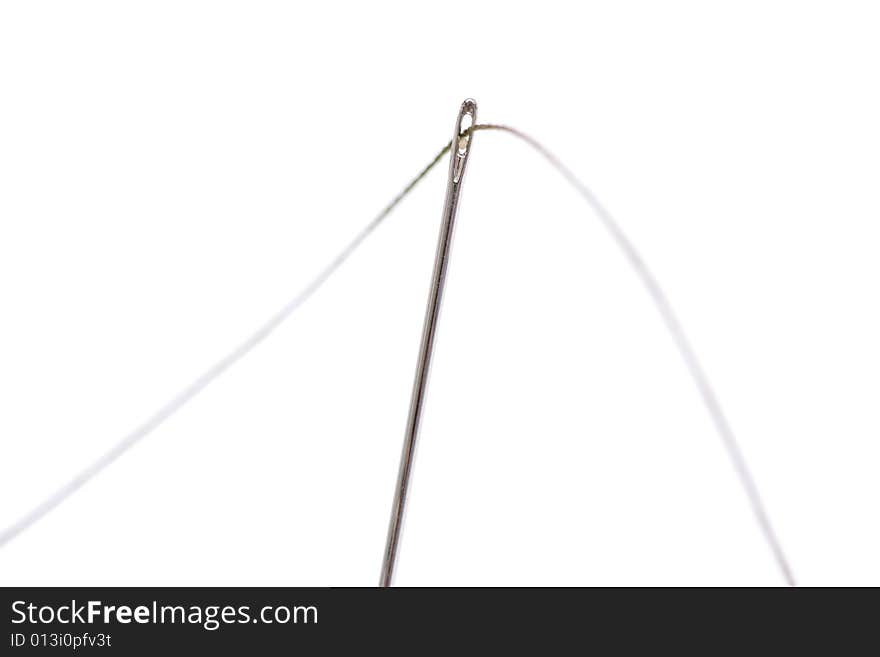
(682,342)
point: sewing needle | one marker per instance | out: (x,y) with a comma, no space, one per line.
(461,144)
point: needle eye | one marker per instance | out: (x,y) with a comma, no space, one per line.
(466,119)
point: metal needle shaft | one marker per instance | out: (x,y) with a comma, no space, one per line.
(461,143)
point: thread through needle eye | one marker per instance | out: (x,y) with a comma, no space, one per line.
(459,149)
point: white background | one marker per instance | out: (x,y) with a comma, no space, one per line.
(172,172)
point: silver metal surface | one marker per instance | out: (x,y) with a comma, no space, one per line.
(458,156)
